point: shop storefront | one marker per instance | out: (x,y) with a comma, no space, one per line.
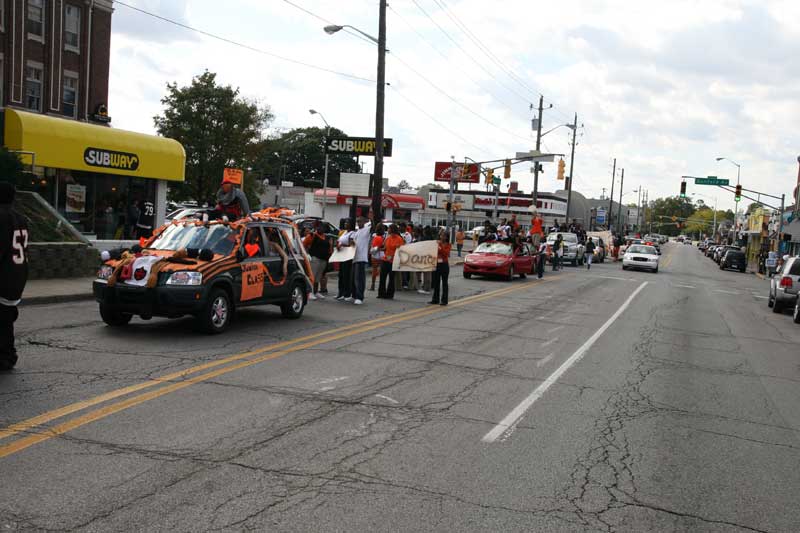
(103,180)
(396,207)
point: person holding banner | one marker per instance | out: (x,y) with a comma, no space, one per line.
(441,275)
(391,243)
(376,253)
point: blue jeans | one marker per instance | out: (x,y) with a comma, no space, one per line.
(359,279)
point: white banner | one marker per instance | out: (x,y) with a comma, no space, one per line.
(416,257)
(347,253)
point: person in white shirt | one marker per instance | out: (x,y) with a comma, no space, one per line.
(345,267)
(362,239)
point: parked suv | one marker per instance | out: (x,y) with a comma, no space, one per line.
(207,270)
(784,285)
(733,259)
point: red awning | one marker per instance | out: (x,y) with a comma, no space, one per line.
(402,201)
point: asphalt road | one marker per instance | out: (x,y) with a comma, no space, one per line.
(596,400)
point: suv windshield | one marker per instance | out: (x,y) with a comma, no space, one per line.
(218,238)
(494,248)
(566,237)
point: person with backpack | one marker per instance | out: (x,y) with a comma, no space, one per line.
(13,271)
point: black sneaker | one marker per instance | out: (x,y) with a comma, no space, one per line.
(8,361)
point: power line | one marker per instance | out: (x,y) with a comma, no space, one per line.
(466,53)
(245,46)
(318,17)
(467,75)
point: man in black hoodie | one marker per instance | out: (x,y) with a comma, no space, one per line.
(13,271)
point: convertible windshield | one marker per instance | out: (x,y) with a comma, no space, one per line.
(494,248)
(218,238)
(639,249)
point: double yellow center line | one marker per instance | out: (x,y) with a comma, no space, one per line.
(228,364)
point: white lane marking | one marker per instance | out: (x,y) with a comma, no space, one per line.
(613,277)
(387,398)
(762,297)
(548,343)
(686,286)
(555,329)
(544,360)
(725,292)
(516,414)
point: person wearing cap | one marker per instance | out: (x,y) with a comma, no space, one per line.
(232,202)
(13,271)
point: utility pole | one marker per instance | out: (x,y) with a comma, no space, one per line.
(377,174)
(535,194)
(451,214)
(638,207)
(611,196)
(619,207)
(572,164)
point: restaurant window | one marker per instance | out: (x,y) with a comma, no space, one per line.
(72,28)
(33,86)
(35,20)
(70,95)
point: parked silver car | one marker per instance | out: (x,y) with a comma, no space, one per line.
(784,285)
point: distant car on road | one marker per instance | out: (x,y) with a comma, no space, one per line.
(784,285)
(640,256)
(733,259)
(497,258)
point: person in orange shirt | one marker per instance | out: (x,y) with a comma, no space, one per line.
(536,229)
(376,254)
(442,273)
(460,236)
(391,243)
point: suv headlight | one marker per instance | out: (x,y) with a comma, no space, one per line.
(185,278)
(105,272)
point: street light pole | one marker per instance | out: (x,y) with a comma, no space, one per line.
(535,194)
(736,214)
(325,175)
(572,164)
(611,196)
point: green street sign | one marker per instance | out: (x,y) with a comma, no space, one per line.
(711,180)
(496,181)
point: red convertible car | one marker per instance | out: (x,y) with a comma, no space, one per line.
(499,259)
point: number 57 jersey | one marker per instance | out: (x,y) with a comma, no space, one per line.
(13,255)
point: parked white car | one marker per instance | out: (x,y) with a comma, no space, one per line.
(640,256)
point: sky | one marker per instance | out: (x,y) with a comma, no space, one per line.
(663,87)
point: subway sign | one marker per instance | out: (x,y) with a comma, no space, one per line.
(97,157)
(356,146)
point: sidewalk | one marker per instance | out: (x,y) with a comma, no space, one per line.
(49,291)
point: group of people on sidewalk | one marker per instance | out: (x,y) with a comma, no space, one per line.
(376,249)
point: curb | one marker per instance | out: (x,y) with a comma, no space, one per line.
(56,299)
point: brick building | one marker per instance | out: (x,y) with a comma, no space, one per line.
(54,69)
(55,55)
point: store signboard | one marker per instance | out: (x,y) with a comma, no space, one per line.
(356,146)
(464,173)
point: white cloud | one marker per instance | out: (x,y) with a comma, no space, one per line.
(663,86)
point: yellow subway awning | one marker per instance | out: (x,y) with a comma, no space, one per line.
(62,143)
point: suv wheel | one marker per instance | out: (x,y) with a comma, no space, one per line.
(217,312)
(114,318)
(777,306)
(294,307)
(796,315)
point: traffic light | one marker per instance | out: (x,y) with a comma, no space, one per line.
(507,170)
(683,189)
(489,176)
(448,206)
(561,166)
(738,195)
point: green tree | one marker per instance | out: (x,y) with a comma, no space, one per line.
(10,166)
(218,128)
(298,155)
(663,209)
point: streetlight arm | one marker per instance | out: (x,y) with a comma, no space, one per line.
(333,28)
(559,126)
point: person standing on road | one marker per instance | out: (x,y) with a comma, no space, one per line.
(544,253)
(460,236)
(13,271)
(320,249)
(361,238)
(345,286)
(376,253)
(558,252)
(392,242)
(589,253)
(427,276)
(442,273)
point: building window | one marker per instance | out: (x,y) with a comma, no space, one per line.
(70,95)
(35,20)
(33,87)
(72,28)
